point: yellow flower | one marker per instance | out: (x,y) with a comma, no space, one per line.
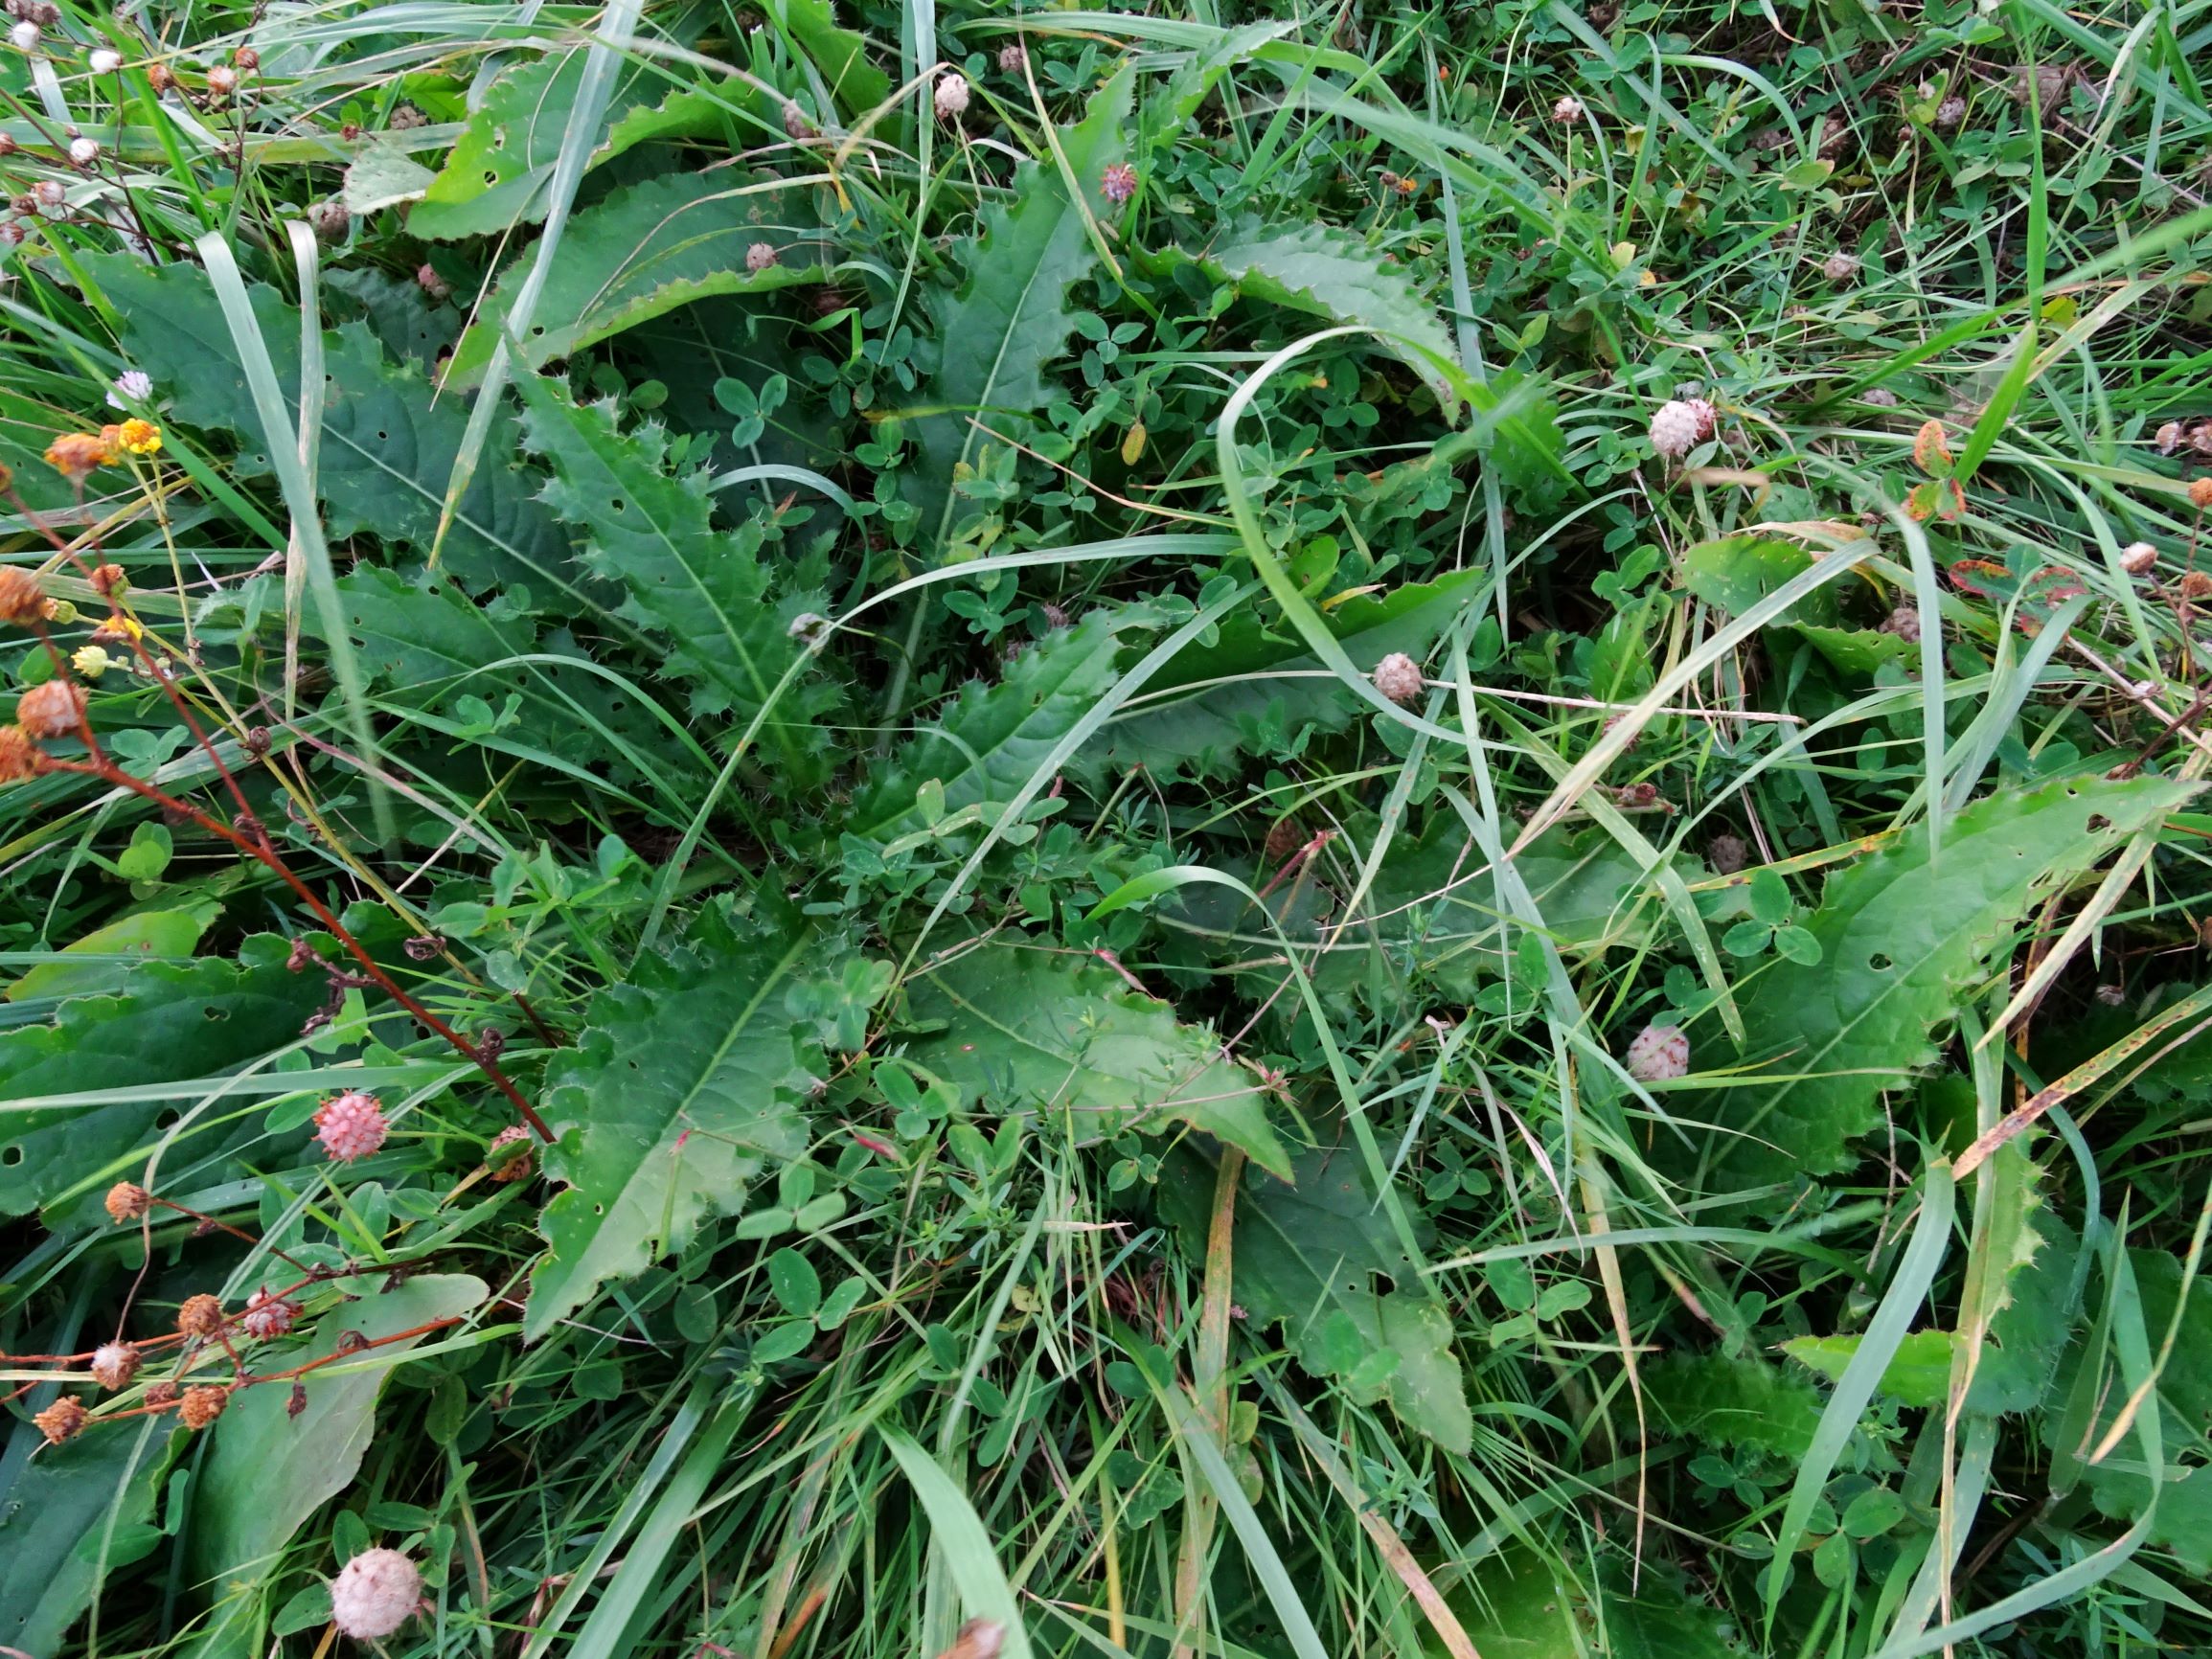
(77,453)
(140,437)
(91,662)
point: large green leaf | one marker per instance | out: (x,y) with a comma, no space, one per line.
(1009,319)
(498,174)
(1259,692)
(684,1088)
(1524,1604)
(54,1516)
(1324,272)
(646,249)
(1735,1402)
(840,56)
(989,740)
(1054,1034)
(706,591)
(388,442)
(170,1022)
(1902,937)
(1306,1254)
(425,646)
(269,1471)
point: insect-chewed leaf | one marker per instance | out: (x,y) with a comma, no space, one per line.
(684,1088)
(646,249)
(1903,934)
(1306,1252)
(1009,318)
(171,1021)
(1061,1036)
(497,174)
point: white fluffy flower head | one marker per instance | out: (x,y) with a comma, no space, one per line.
(24,36)
(104,60)
(131,386)
(375,1593)
(1680,425)
(952,97)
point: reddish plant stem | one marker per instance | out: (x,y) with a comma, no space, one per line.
(256,846)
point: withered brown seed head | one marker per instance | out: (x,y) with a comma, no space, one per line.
(62,1421)
(200,1315)
(53,709)
(202,1407)
(22,602)
(114,1364)
(159,1395)
(127,1201)
(20,755)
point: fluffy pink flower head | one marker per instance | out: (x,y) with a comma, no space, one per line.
(760,257)
(375,1593)
(1398,677)
(351,1126)
(952,97)
(267,1315)
(1119,183)
(1658,1053)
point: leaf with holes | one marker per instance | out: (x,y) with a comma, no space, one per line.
(646,249)
(1306,1255)
(1903,937)
(1009,319)
(499,171)
(171,1022)
(1061,1036)
(687,1085)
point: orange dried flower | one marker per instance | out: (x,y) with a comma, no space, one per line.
(76,454)
(127,1201)
(109,580)
(161,1395)
(62,1421)
(2196,585)
(20,755)
(202,1407)
(53,709)
(200,1315)
(22,602)
(2201,492)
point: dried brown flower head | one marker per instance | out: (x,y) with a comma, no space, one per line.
(22,601)
(202,1407)
(20,755)
(114,1364)
(127,1201)
(52,709)
(200,1315)
(63,1420)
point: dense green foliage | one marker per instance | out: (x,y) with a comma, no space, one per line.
(1255,835)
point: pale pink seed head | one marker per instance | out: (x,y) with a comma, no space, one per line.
(375,1593)
(760,257)
(1658,1053)
(1398,677)
(952,97)
(1675,429)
